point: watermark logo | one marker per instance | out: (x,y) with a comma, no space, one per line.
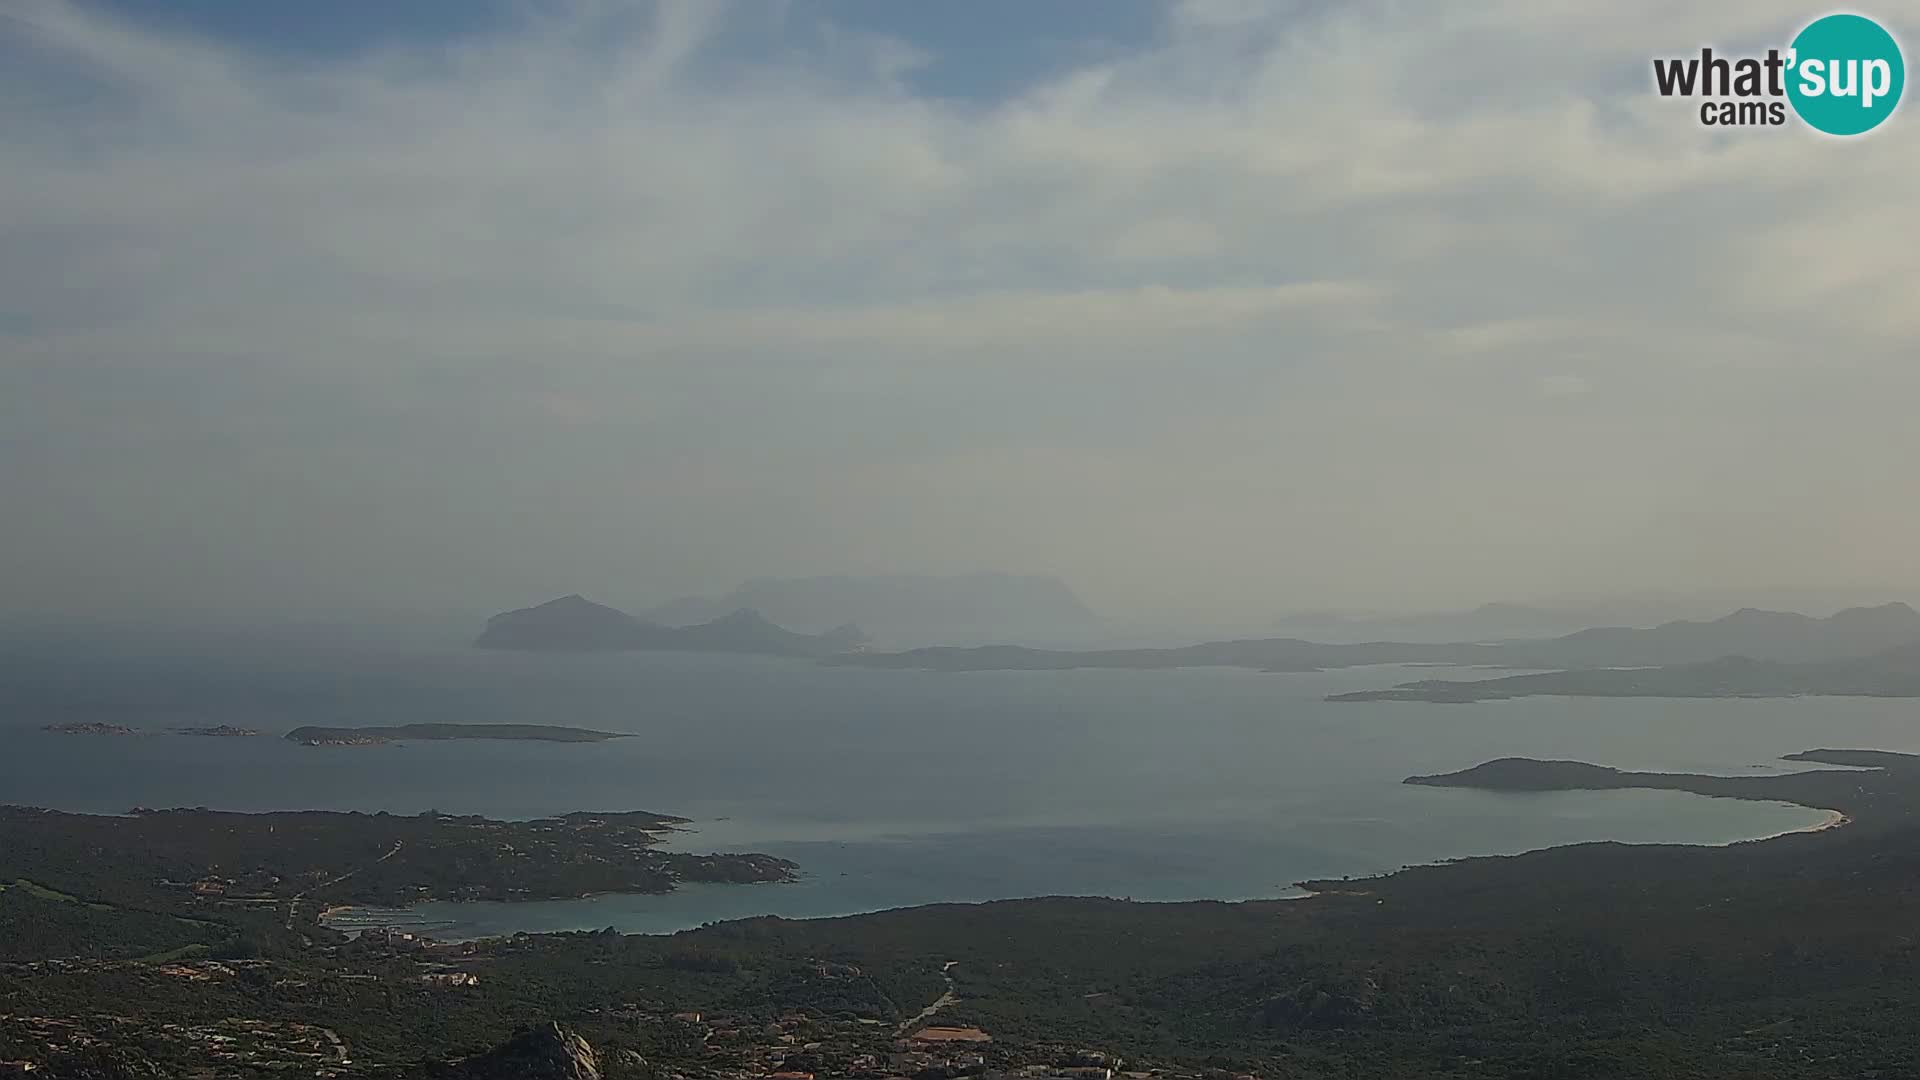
(1842,74)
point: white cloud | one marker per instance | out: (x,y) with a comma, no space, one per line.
(1367,247)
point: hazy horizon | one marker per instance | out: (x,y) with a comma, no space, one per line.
(458,624)
(1216,311)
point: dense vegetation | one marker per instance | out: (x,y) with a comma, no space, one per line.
(1793,957)
(39,922)
(200,860)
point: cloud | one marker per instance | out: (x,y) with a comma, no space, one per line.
(1564,386)
(661,274)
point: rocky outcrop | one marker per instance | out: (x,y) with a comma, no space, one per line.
(543,1052)
(568,624)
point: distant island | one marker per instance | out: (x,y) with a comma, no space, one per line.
(1895,673)
(1263,654)
(1488,622)
(93,727)
(1761,636)
(905,607)
(90,728)
(576,624)
(380,736)
(1780,636)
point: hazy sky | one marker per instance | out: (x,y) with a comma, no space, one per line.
(1208,308)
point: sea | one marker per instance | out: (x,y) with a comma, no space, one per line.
(891,788)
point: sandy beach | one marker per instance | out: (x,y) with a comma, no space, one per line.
(1834,820)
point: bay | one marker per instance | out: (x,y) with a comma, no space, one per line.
(893,788)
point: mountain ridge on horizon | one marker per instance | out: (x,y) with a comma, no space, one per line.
(1749,632)
(1555,616)
(572,623)
(904,607)
(1890,673)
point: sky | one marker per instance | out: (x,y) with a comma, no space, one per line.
(1212,309)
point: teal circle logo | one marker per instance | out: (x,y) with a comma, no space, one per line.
(1845,74)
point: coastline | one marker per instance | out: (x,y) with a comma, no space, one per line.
(1834,820)
(1876,786)
(652,914)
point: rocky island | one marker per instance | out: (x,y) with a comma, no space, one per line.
(382,736)
(90,728)
(576,624)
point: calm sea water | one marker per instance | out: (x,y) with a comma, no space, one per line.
(893,788)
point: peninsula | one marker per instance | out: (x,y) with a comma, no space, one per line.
(1895,673)
(380,736)
(160,859)
(1875,787)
